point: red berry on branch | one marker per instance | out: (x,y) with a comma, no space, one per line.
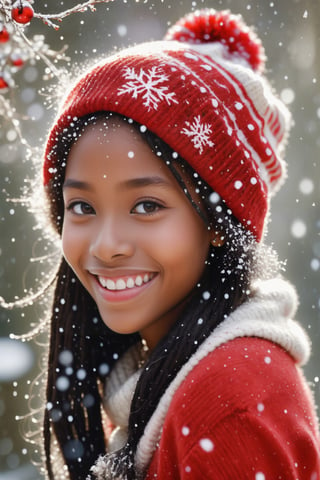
(16,60)
(22,12)
(4,34)
(3,84)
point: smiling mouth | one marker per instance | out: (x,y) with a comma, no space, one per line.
(125,283)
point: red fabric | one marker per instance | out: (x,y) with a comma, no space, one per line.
(245,412)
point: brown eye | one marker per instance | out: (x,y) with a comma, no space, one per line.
(81,208)
(147,208)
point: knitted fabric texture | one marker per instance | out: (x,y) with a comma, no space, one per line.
(118,394)
(244,412)
(202,91)
(267,315)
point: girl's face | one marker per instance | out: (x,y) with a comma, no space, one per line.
(129,232)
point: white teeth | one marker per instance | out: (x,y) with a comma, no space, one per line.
(130,283)
(110,285)
(122,284)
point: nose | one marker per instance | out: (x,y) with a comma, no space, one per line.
(111,239)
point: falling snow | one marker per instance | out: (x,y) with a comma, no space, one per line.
(295,225)
(16,359)
(260,476)
(206,444)
(185,431)
(298,228)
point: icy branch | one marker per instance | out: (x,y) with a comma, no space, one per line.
(80,8)
(18,49)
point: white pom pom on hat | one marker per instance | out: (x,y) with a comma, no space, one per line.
(223,28)
(202,91)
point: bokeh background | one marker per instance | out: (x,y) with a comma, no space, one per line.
(290,31)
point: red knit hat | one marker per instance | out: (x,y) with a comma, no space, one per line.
(202,91)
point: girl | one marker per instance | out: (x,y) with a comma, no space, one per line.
(173,352)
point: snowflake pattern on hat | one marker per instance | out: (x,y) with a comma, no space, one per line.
(149,84)
(199,133)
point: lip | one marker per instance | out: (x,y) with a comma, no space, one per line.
(123,287)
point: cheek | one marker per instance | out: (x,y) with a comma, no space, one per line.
(71,244)
(193,246)
(182,242)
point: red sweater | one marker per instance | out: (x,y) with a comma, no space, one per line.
(239,409)
(244,412)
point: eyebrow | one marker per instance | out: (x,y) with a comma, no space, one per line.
(131,183)
(145,181)
(72,183)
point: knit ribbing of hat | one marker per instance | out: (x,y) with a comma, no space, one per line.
(209,111)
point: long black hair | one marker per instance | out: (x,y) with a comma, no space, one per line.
(83,349)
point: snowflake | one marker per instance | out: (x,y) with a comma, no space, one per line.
(199,133)
(148,84)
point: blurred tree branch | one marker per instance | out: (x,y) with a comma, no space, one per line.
(18,50)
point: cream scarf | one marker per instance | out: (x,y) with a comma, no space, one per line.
(121,384)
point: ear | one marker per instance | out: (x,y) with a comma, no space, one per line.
(217,239)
